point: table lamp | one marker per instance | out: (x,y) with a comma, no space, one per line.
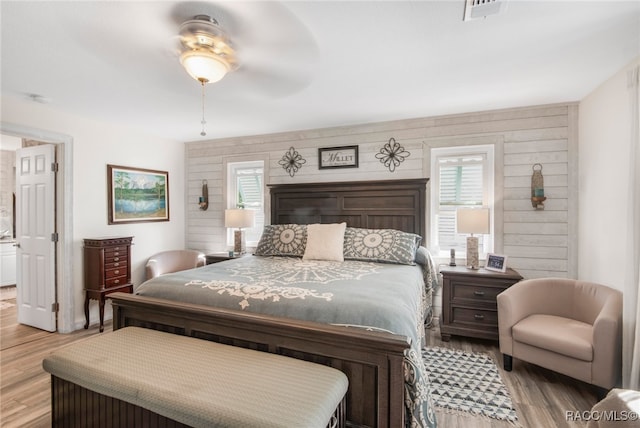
(239,218)
(472,220)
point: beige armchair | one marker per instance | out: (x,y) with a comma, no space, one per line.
(173,261)
(568,326)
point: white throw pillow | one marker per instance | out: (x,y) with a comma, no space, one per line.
(325,242)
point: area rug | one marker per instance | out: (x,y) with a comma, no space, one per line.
(467,382)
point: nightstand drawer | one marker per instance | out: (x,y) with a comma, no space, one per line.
(476,317)
(474,292)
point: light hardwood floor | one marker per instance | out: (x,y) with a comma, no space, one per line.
(541,397)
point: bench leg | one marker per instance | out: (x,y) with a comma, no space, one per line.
(102,299)
(86,310)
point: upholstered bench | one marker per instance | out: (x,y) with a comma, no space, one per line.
(141,377)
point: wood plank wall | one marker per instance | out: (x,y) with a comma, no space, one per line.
(538,243)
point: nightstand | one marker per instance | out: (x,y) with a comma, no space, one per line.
(469,306)
(220,257)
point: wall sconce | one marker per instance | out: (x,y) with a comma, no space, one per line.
(239,218)
(472,220)
(537,187)
(203,201)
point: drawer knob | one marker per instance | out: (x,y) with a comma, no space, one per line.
(116,259)
(116,272)
(117,281)
(479,317)
(478,293)
(116,264)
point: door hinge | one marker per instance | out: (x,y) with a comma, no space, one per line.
(54,167)
(55,307)
(54,237)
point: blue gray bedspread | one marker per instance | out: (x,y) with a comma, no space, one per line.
(376,296)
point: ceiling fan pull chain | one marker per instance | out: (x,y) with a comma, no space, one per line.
(203,133)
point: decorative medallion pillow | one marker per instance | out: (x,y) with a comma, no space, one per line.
(282,240)
(381,245)
(325,242)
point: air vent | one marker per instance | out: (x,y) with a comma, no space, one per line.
(475,9)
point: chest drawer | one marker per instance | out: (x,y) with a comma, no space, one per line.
(119,280)
(122,264)
(115,256)
(113,273)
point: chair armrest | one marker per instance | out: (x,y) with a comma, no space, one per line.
(607,343)
(522,299)
(152,269)
(201,260)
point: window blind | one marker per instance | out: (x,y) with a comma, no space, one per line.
(461,184)
(249,194)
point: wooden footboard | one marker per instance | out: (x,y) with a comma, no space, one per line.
(372,361)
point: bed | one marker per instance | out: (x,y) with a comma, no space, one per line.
(304,308)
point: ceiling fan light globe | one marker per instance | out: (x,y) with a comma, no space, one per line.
(204,66)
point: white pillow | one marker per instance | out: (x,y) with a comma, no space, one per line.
(325,242)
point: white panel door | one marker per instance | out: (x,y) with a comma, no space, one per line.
(35,224)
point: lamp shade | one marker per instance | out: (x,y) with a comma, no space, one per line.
(239,218)
(472,220)
(204,66)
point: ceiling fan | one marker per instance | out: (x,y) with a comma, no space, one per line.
(260,49)
(269,47)
(207,54)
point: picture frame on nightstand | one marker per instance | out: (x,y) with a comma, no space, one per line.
(496,262)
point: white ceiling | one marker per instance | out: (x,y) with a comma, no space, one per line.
(310,64)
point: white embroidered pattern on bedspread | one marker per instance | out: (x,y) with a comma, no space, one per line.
(259,282)
(259,291)
(289,270)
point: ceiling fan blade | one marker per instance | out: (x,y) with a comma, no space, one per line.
(268,83)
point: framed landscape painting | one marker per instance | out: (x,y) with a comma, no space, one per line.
(137,195)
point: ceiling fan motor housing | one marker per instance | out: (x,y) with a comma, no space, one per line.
(203,34)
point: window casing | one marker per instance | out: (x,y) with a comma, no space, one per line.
(460,177)
(245,189)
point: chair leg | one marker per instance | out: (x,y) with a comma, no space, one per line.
(601,393)
(507,362)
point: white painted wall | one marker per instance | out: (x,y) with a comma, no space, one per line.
(604,126)
(96,144)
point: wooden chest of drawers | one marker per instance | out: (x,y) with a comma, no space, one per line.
(107,269)
(469,306)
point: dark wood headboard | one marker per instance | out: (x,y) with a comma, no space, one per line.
(389,204)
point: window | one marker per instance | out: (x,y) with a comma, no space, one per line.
(461,177)
(246,190)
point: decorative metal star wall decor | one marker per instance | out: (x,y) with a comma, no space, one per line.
(392,154)
(292,161)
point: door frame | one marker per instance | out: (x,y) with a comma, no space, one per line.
(65,292)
